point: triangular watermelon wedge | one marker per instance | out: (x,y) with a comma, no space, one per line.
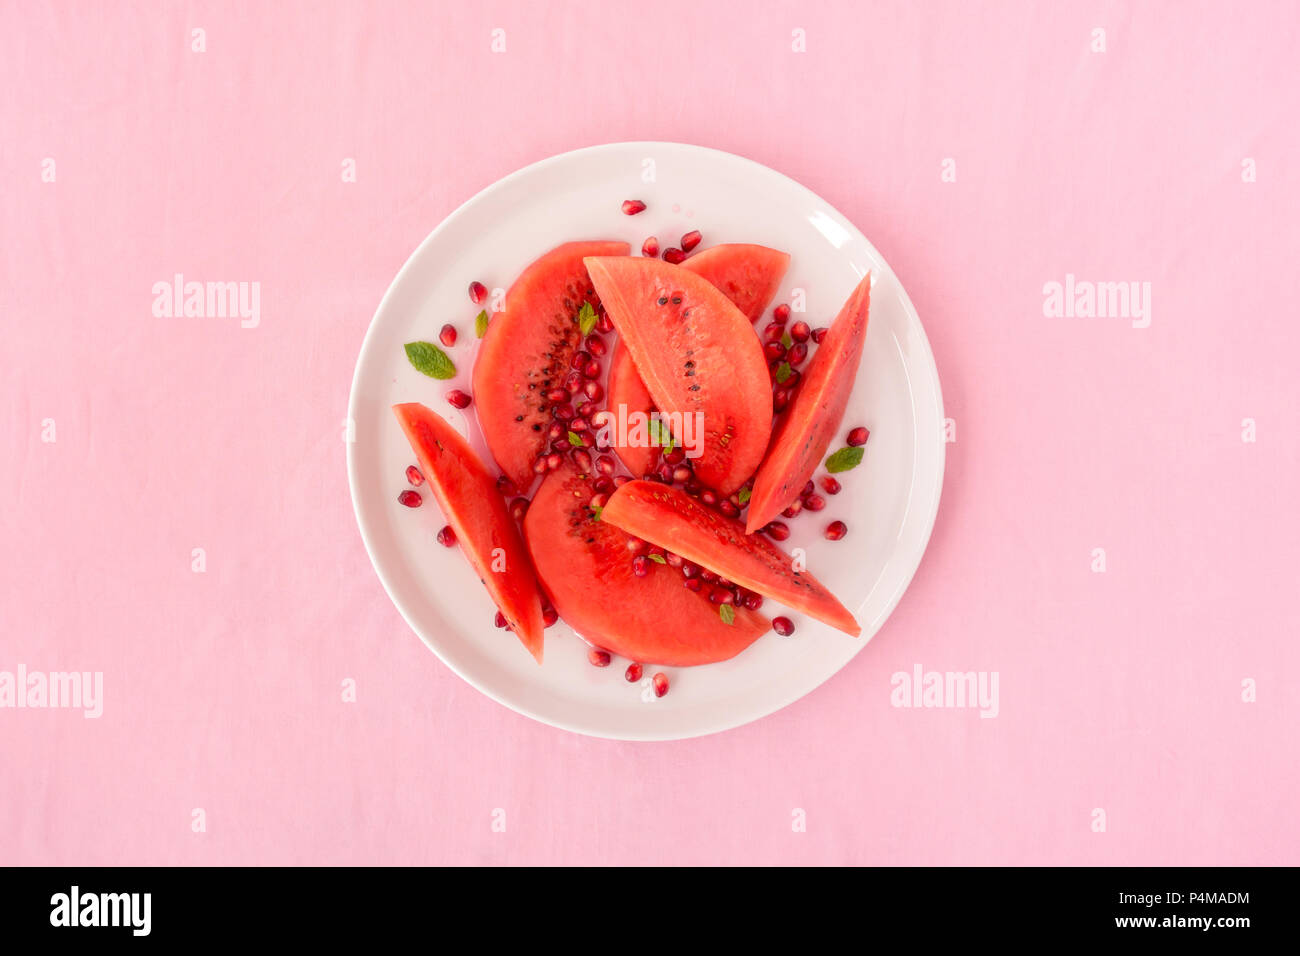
(805,430)
(748,275)
(699,358)
(488,536)
(672,519)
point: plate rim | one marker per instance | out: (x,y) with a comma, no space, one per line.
(367,342)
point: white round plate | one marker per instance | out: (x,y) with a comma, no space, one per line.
(889,501)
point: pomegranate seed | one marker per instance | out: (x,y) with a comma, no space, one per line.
(693,488)
(674,560)
(729,508)
(563,412)
(458,398)
(499,620)
(595,345)
(549,616)
(579,360)
(413,476)
(598,501)
(781,314)
(831,485)
(774,351)
(753,601)
(773,332)
(780,399)
(582,459)
(836,530)
(410,498)
(622,480)
(665,474)
(636,545)
(448,335)
(691,240)
(792,379)
(579,424)
(519,508)
(656,549)
(800,331)
(505,486)
(605,465)
(640,565)
(708,577)
(690,570)
(859,436)
(783,626)
(777,531)
(539,466)
(676,456)
(633,673)
(557,395)
(814,502)
(807,489)
(447,537)
(604,484)
(588,410)
(591,369)
(692,584)
(598,658)
(721,596)
(681,474)
(574,382)
(793,510)
(604,325)
(477,292)
(674,255)
(556,432)
(708,497)
(632,206)
(797,353)
(819,334)
(650,248)
(661,684)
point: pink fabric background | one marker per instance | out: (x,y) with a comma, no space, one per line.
(1119,691)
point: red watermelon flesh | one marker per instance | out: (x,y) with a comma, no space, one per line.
(805,431)
(586,570)
(672,519)
(526,352)
(466,493)
(748,275)
(699,358)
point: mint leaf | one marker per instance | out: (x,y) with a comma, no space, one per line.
(743,497)
(586,318)
(575,439)
(658,559)
(786,340)
(727,613)
(844,459)
(783,372)
(431,360)
(661,434)
(597,510)
(481,324)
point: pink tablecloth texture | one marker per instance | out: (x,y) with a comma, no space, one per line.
(1147,712)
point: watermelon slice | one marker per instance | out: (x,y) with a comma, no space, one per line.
(805,431)
(628,396)
(748,275)
(586,570)
(699,358)
(672,519)
(526,352)
(466,492)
